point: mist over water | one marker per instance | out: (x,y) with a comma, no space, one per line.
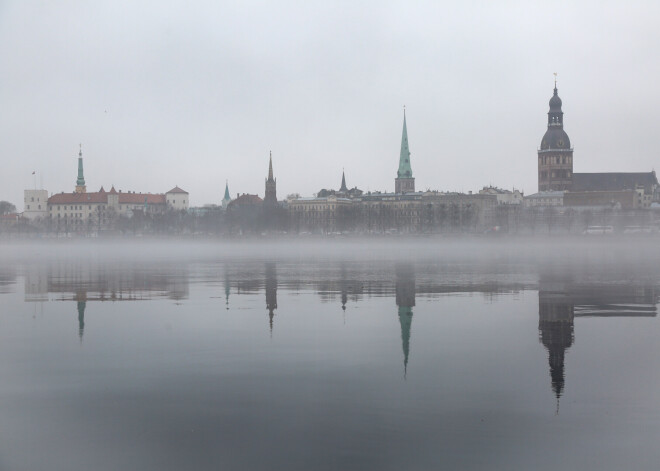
(375,354)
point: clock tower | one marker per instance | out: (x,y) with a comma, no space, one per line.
(555,154)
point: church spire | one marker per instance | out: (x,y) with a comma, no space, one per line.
(80,182)
(270,168)
(226,199)
(404,182)
(405,171)
(343,188)
(270,197)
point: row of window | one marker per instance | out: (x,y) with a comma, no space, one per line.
(554,160)
(556,174)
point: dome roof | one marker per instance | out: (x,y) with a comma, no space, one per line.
(555,138)
(555,101)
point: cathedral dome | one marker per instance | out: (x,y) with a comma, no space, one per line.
(555,138)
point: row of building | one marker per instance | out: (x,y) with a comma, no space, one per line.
(404,210)
(81,208)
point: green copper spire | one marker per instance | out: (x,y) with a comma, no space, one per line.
(81,179)
(405,171)
(227,197)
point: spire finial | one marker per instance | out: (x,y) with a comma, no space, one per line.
(80,151)
(555,74)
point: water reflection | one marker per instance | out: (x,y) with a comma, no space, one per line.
(270,286)
(178,377)
(563,294)
(563,298)
(405,300)
(81,318)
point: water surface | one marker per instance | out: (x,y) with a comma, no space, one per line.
(404,357)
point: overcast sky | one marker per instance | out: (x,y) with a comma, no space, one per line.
(167,93)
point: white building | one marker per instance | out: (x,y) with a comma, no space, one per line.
(35,204)
(545,198)
(503,196)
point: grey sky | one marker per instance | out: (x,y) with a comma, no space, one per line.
(161,93)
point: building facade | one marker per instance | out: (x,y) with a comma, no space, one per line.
(35,204)
(92,211)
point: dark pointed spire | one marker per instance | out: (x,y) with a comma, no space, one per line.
(270,168)
(343,188)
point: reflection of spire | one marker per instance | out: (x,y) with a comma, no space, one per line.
(227,289)
(271,292)
(405,299)
(556,314)
(81,318)
(405,319)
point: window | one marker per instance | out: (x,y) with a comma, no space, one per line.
(28,206)
(32,199)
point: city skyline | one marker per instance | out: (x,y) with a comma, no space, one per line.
(185,96)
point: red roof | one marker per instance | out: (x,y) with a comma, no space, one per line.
(138,198)
(246,200)
(176,189)
(78,198)
(102,197)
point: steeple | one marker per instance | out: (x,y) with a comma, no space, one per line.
(226,199)
(270,197)
(343,188)
(80,182)
(404,183)
(405,171)
(270,168)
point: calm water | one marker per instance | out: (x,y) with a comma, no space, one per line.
(384,358)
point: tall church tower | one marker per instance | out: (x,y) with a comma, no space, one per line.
(404,181)
(270,197)
(555,153)
(80,182)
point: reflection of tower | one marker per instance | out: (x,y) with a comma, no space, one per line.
(81,297)
(271,292)
(556,313)
(343,287)
(405,299)
(227,288)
